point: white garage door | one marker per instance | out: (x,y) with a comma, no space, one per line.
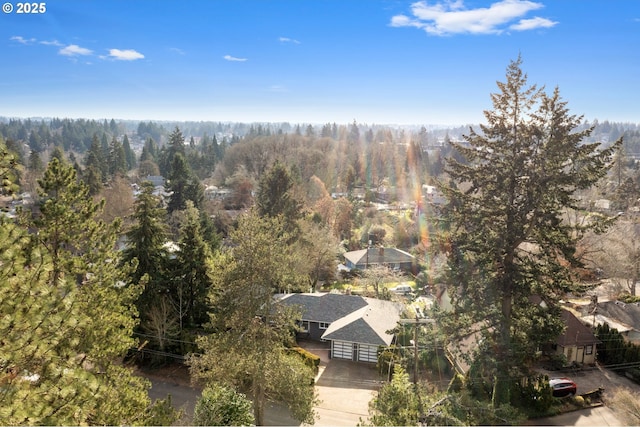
(367,353)
(341,350)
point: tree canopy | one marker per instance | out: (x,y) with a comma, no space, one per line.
(67,316)
(247,323)
(505,213)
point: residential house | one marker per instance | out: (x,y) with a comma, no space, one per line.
(156,180)
(391,257)
(432,195)
(624,317)
(577,343)
(211,192)
(356,326)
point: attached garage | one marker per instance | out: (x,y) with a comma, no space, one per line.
(341,350)
(367,353)
(353,351)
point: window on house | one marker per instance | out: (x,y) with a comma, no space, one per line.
(588,349)
(323,325)
(304,325)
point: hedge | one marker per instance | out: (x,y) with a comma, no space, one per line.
(310,359)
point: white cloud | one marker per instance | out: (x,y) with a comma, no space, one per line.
(288,40)
(51,43)
(74,50)
(452,17)
(177,50)
(22,40)
(234,59)
(532,24)
(124,55)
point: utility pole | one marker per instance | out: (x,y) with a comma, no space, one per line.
(417,322)
(366,265)
(415,353)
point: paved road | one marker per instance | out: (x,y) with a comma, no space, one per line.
(345,389)
(184,397)
(598,416)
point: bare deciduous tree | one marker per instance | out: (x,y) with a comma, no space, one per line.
(618,254)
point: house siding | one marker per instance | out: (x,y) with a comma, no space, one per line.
(578,354)
(315,332)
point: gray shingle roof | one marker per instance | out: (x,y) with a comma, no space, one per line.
(324,307)
(352,318)
(628,314)
(379,256)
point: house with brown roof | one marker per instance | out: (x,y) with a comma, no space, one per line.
(577,343)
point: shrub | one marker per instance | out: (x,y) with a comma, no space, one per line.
(310,359)
(387,359)
(533,395)
(223,406)
(579,400)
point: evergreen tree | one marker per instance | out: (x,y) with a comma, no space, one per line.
(67,317)
(247,322)
(96,161)
(117,158)
(275,197)
(35,163)
(128,153)
(397,403)
(35,142)
(508,237)
(149,151)
(209,231)
(145,244)
(174,147)
(354,132)
(8,170)
(113,127)
(106,152)
(192,275)
(183,185)
(58,153)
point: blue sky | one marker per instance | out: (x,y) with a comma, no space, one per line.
(311,61)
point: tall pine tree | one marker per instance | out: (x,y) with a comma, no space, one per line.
(508,237)
(275,197)
(67,316)
(145,244)
(192,280)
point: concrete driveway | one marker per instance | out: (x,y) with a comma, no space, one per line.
(345,389)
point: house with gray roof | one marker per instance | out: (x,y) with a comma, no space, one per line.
(393,258)
(356,326)
(624,317)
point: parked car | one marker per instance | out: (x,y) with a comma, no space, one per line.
(402,290)
(563,387)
